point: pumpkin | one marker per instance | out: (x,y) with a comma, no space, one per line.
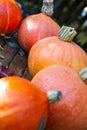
(10,16)
(71,112)
(22,105)
(57,50)
(37,26)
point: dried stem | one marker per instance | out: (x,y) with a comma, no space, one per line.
(83,74)
(67,33)
(54,96)
(47,7)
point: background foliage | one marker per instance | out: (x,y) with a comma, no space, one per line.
(66,12)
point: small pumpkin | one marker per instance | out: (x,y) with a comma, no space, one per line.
(71,112)
(37,26)
(10,16)
(22,105)
(60,50)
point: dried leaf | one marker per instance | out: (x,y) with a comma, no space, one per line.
(4,71)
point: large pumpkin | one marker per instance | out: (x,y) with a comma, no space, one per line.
(22,105)
(53,50)
(36,27)
(71,112)
(10,16)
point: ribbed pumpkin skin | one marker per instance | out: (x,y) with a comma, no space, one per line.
(71,112)
(34,28)
(22,105)
(10,16)
(51,51)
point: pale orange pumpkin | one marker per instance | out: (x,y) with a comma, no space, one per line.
(53,50)
(71,112)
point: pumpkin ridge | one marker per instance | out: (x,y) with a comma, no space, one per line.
(64,55)
(80,57)
(72,56)
(18,15)
(80,64)
(7,17)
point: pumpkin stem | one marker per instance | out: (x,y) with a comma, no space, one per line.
(54,96)
(83,74)
(47,7)
(67,33)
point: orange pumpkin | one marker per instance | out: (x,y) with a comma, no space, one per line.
(10,16)
(22,105)
(52,50)
(71,112)
(36,27)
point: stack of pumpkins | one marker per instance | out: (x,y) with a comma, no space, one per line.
(56,64)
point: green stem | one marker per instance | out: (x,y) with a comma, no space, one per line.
(47,7)
(67,33)
(83,74)
(54,96)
